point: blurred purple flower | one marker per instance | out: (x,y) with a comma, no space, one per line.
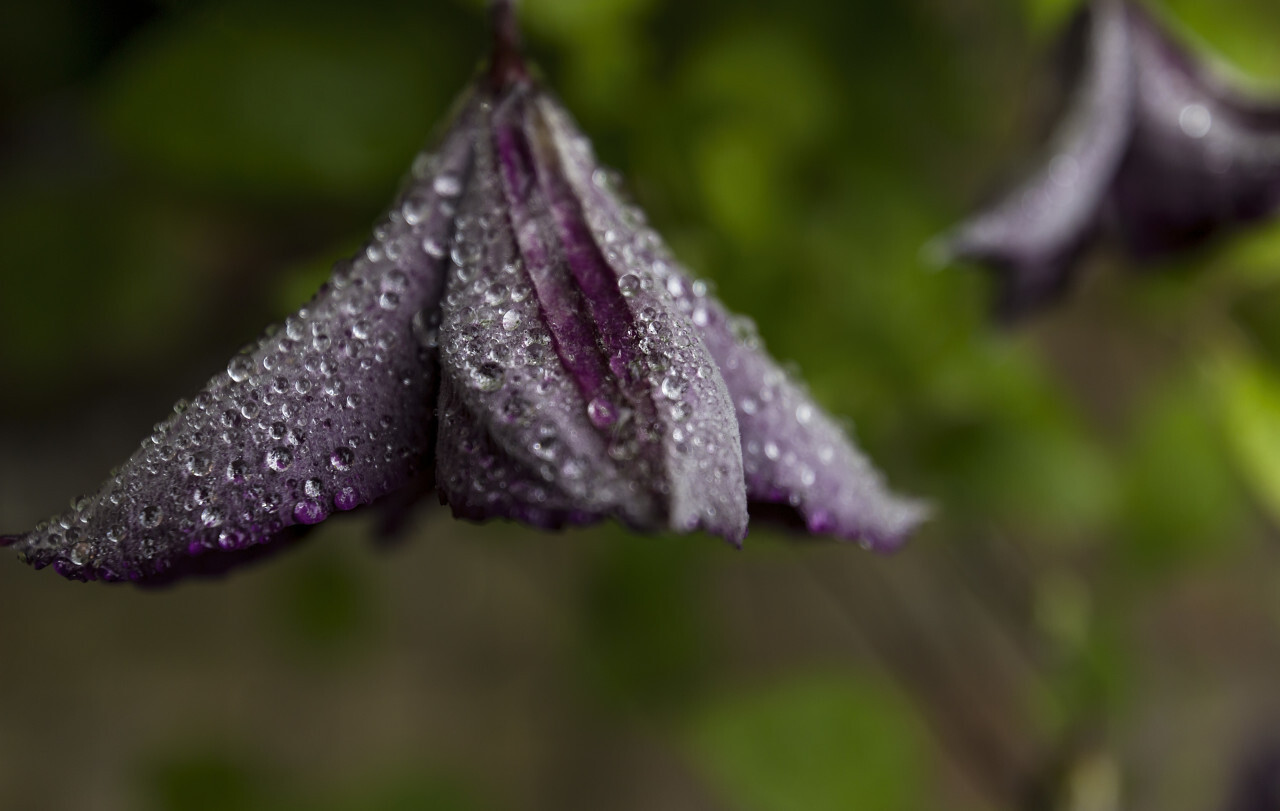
(1154,151)
(515,321)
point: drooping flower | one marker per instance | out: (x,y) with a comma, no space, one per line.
(516,329)
(1155,151)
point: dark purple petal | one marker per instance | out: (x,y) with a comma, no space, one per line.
(331,411)
(794,455)
(1203,157)
(599,393)
(1034,235)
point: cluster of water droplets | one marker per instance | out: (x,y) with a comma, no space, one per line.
(326,412)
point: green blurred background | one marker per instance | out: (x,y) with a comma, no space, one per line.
(1091,623)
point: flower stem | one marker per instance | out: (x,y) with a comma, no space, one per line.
(506,66)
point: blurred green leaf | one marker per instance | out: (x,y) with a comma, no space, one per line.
(209,781)
(1180,504)
(821,743)
(1250,407)
(283,99)
(645,643)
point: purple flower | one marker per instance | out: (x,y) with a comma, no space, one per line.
(514,328)
(1154,151)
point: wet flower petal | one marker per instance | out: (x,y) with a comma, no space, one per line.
(606,370)
(794,454)
(514,316)
(326,413)
(1153,150)
(1034,235)
(1203,157)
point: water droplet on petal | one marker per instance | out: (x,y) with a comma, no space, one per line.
(447,186)
(279,459)
(200,463)
(150,517)
(1195,121)
(212,516)
(342,458)
(346,499)
(629,284)
(511,320)
(433,247)
(601,413)
(240,367)
(308,512)
(673,387)
(487,377)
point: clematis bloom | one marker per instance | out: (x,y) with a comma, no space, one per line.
(515,331)
(1155,151)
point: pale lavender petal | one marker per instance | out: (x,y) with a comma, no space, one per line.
(794,455)
(327,413)
(1203,158)
(1033,235)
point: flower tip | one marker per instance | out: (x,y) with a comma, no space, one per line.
(507,65)
(737,540)
(900,521)
(9,540)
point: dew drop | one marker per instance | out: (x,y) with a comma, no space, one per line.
(629,284)
(346,499)
(1195,121)
(279,459)
(487,377)
(212,516)
(308,512)
(433,247)
(342,458)
(150,517)
(200,463)
(240,367)
(447,186)
(511,320)
(673,387)
(601,413)
(545,448)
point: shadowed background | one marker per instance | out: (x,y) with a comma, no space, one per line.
(1091,623)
